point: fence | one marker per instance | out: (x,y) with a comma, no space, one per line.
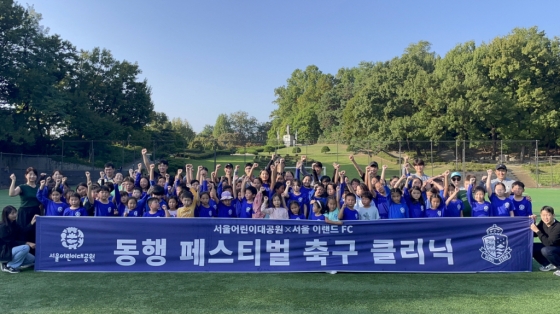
(526,161)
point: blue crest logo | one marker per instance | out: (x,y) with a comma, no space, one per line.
(495,249)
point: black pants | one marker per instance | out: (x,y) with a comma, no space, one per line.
(546,254)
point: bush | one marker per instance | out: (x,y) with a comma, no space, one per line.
(296,150)
(325,149)
(268,149)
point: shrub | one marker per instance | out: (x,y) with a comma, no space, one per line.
(325,149)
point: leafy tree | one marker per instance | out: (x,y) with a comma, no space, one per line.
(183,129)
(222,125)
(207,130)
(296,150)
(268,149)
(325,149)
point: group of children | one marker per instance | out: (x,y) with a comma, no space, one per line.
(278,194)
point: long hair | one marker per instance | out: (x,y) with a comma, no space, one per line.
(5,213)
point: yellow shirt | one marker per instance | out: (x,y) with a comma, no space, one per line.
(186,212)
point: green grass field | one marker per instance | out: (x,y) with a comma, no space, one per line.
(30,292)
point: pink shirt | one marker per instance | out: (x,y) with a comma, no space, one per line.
(276,213)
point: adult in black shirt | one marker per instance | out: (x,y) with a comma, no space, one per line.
(547,253)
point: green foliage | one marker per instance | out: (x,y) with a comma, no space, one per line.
(505,89)
(325,149)
(50,92)
(269,149)
(296,150)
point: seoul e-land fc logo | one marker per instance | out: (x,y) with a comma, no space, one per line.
(72,238)
(495,249)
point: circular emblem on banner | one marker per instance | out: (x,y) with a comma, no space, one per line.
(72,238)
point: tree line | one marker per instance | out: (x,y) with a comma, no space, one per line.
(506,89)
(50,91)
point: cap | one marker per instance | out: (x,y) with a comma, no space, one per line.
(501,166)
(374,164)
(226,195)
(456,174)
(229,166)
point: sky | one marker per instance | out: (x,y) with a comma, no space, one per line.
(203,58)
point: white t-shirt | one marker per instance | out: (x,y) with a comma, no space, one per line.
(369,213)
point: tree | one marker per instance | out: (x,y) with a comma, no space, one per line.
(325,149)
(207,130)
(244,125)
(183,129)
(222,125)
(296,150)
(268,149)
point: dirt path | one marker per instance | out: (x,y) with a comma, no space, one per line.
(522,175)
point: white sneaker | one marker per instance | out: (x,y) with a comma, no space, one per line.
(547,267)
(27,266)
(557,273)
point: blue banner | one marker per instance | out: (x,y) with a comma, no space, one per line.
(446,245)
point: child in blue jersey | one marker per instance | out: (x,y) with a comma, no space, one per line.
(135,207)
(293,193)
(155,211)
(53,206)
(381,199)
(348,212)
(437,207)
(317,211)
(415,202)
(207,207)
(75,209)
(226,205)
(368,210)
(121,200)
(453,205)
(102,207)
(397,205)
(522,207)
(502,206)
(295,211)
(479,207)
(246,202)
(318,196)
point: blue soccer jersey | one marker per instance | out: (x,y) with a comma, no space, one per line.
(226,211)
(103,210)
(398,211)
(245,209)
(206,212)
(522,208)
(78,212)
(159,213)
(500,207)
(454,208)
(350,214)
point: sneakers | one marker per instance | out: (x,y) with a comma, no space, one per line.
(7,269)
(2,266)
(547,267)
